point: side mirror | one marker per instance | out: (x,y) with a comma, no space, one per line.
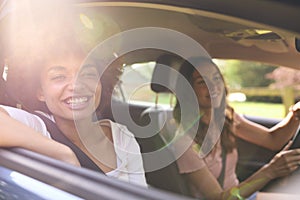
(297,44)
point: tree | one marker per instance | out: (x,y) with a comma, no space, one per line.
(285,77)
(240,74)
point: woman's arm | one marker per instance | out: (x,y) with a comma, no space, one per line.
(272,138)
(16,134)
(282,164)
(206,183)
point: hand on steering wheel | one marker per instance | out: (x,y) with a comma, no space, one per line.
(296,110)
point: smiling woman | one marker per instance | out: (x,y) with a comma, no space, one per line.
(211,159)
(70,84)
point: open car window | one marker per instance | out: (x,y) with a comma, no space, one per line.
(54,179)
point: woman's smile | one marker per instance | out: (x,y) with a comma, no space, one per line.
(78,102)
(213,95)
(69,87)
(208,86)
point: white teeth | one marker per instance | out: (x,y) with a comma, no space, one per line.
(214,95)
(76,100)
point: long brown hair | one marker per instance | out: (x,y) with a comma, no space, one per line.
(227,136)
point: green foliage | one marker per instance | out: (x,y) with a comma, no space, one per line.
(269,110)
(246,74)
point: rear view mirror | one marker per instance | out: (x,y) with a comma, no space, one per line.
(297,44)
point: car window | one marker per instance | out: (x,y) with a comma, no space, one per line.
(135,87)
(15,185)
(260,89)
(254,87)
(251,91)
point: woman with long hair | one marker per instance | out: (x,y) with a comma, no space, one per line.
(211,171)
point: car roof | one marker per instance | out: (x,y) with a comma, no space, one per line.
(227,30)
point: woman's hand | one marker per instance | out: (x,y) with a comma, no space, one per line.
(296,110)
(283,163)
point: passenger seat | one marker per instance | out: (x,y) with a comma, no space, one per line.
(163,129)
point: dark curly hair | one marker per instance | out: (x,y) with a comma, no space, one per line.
(28,82)
(45,36)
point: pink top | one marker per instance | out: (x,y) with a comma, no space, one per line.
(190,161)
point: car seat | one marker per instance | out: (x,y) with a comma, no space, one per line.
(143,122)
(162,129)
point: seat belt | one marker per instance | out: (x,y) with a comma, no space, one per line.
(58,136)
(222,175)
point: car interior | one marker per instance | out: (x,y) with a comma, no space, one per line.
(223,31)
(227,39)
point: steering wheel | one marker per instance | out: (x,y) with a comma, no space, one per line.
(296,139)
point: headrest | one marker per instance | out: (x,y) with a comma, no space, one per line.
(163,76)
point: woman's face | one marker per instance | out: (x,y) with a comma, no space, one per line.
(208,86)
(70,91)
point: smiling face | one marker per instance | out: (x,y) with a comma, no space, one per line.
(208,86)
(70,90)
